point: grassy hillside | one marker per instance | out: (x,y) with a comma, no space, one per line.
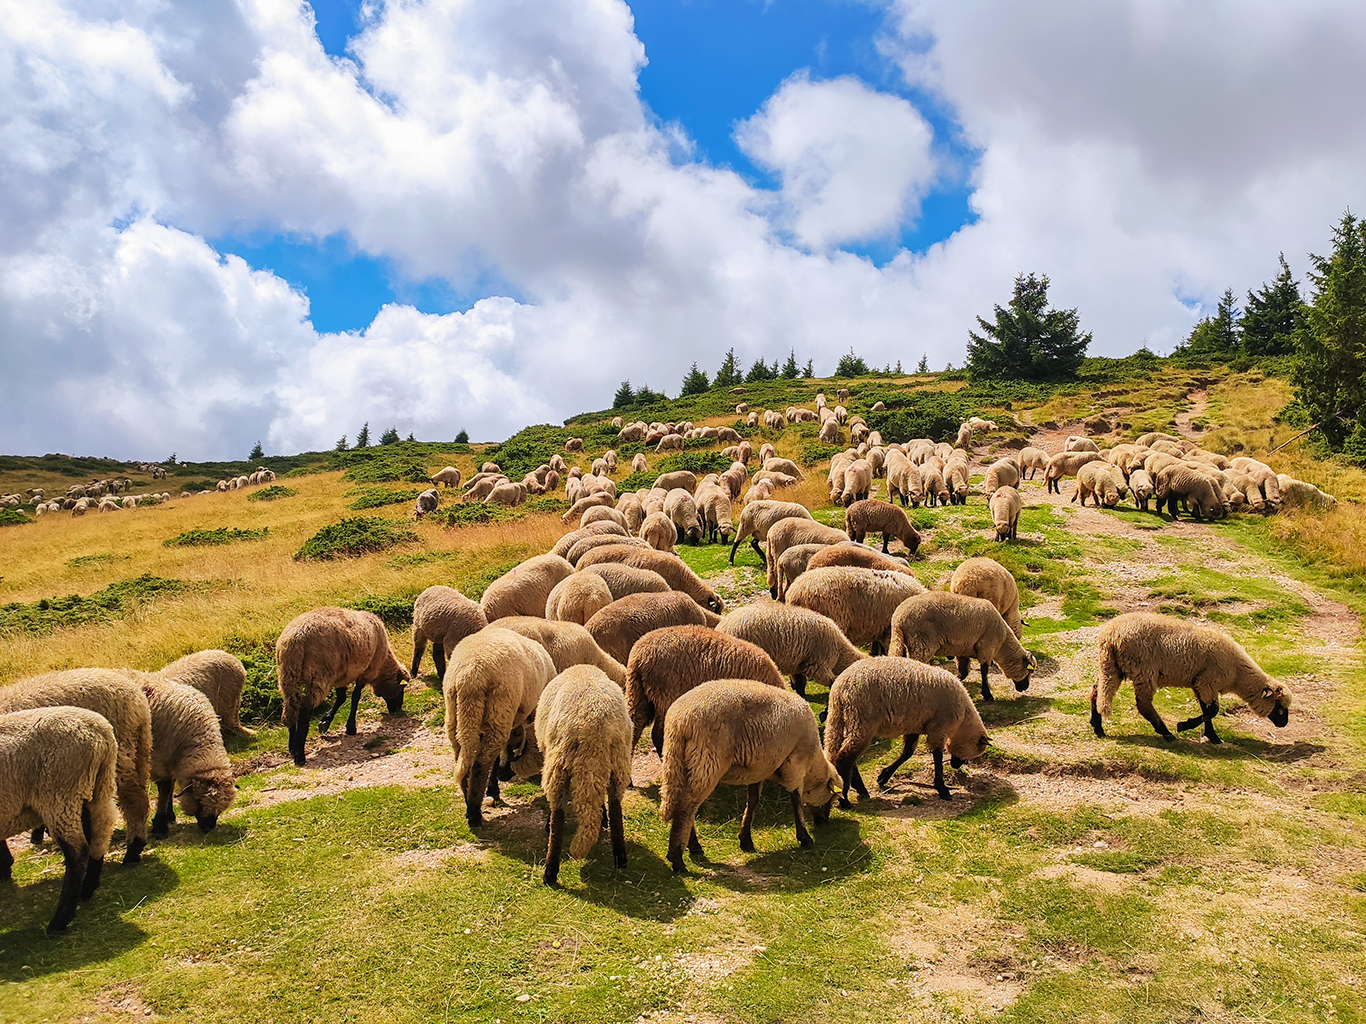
(1071,878)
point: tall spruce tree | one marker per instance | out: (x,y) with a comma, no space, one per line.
(759,371)
(1329,371)
(694,382)
(791,371)
(1028,341)
(809,370)
(257,452)
(390,436)
(924,365)
(729,375)
(1273,315)
(363,438)
(624,396)
(1218,336)
(851,365)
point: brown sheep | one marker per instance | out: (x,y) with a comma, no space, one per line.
(618,626)
(873,516)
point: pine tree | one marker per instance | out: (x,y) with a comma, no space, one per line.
(340,446)
(363,438)
(410,437)
(809,370)
(898,368)
(624,396)
(1217,335)
(463,437)
(694,382)
(924,365)
(1273,316)
(851,365)
(390,436)
(791,371)
(257,452)
(1028,341)
(729,374)
(760,371)
(1330,343)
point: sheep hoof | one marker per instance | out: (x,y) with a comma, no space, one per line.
(845,804)
(350,730)
(134,854)
(161,827)
(746,844)
(944,794)
(806,841)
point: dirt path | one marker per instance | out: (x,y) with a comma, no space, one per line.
(1199,404)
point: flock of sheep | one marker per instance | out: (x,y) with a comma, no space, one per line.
(565,661)
(103,495)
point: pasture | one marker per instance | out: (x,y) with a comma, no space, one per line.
(1071,878)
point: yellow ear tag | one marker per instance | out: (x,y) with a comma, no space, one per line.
(1266,692)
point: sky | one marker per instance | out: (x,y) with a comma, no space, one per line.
(225,221)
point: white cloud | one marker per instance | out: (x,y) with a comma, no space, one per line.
(854,163)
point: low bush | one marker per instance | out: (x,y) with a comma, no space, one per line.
(114,601)
(222,535)
(636,481)
(477,513)
(395,610)
(261,701)
(815,452)
(14,517)
(700,463)
(272,493)
(353,537)
(376,497)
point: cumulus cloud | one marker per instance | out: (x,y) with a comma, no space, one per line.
(853,162)
(1145,155)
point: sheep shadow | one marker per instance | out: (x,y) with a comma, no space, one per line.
(1193,743)
(99,933)
(1012,710)
(334,748)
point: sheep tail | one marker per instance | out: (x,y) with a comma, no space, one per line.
(588,790)
(1110,678)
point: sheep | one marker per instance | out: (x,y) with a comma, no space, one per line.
(587,544)
(1005,513)
(481,488)
(679,478)
(848,552)
(860,601)
(1141,486)
(903,481)
(1156,651)
(659,531)
(956,480)
(990,580)
(943,624)
(792,563)
(742,408)
(740,732)
(1201,494)
(873,516)
(802,643)
(1001,473)
(890,697)
(674,570)
(523,589)
(773,464)
(220,677)
(777,480)
(666,663)
(584,503)
(1077,443)
(714,505)
(631,511)
(758,517)
(598,529)
(1033,459)
(507,493)
(682,512)
(574,445)
(791,532)
(622,580)
(443,616)
(491,687)
(932,480)
(1146,440)
(1094,481)
(124,706)
(1065,464)
(426,502)
(59,766)
(734,478)
(602,513)
(583,729)
(568,644)
(448,477)
(618,626)
(187,754)
(1297,492)
(858,480)
(639,464)
(670,443)
(633,432)
(330,649)
(577,598)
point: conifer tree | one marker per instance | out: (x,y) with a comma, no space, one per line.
(1273,315)
(924,365)
(729,375)
(257,452)
(624,396)
(1028,341)
(363,438)
(694,382)
(791,371)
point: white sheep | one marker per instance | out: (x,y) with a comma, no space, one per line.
(990,580)
(443,616)
(1005,513)
(618,626)
(524,588)
(943,624)
(577,598)
(187,754)
(803,644)
(220,677)
(860,601)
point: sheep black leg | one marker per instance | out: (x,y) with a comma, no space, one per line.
(552,853)
(493,791)
(859,787)
(355,703)
(419,646)
(165,816)
(298,735)
(884,544)
(36,836)
(476,784)
(877,648)
(439,656)
(844,766)
(678,828)
(657,736)
(803,836)
(907,749)
(1146,709)
(963,665)
(799,684)
(94,866)
(747,822)
(75,859)
(940,786)
(733,548)
(1096,726)
(763,559)
(6,862)
(617,831)
(1206,716)
(326,722)
(986,687)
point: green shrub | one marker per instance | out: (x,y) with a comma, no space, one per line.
(14,517)
(472,513)
(222,535)
(375,497)
(356,536)
(261,701)
(396,610)
(815,452)
(402,462)
(932,414)
(636,481)
(194,486)
(272,493)
(700,463)
(114,601)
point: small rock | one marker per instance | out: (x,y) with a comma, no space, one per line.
(523,998)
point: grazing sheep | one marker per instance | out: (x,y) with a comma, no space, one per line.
(568,644)
(849,553)
(792,563)
(932,480)
(1005,513)
(584,730)
(903,481)
(790,533)
(582,504)
(1077,443)
(670,443)
(890,697)
(744,733)
(858,480)
(577,598)
(659,531)
(426,502)
(1033,459)
(587,544)
(220,677)
(1065,464)
(523,589)
(574,445)
(1156,651)
(1297,492)
(682,512)
(491,688)
(507,493)
(873,516)
(674,570)
(860,601)
(668,662)
(942,624)
(1094,481)
(1141,486)
(443,616)
(1181,483)
(803,644)
(1001,473)
(601,513)
(714,506)
(58,767)
(124,706)
(680,478)
(632,512)
(639,464)
(773,464)
(758,517)
(618,626)
(626,579)
(1262,475)
(187,754)
(330,649)
(448,477)
(990,580)
(598,529)
(956,480)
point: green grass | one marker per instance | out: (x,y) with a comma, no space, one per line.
(357,536)
(220,535)
(272,493)
(376,497)
(115,601)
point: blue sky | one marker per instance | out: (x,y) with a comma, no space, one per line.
(712,64)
